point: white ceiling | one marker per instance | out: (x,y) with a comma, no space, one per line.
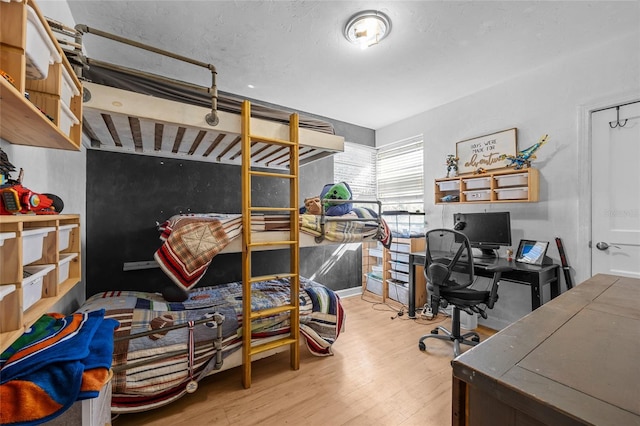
(295,54)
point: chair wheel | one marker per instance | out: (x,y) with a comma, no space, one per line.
(434,331)
(475,339)
(422,346)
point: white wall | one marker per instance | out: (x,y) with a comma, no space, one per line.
(55,171)
(546,100)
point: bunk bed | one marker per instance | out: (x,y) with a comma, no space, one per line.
(157,359)
(129,111)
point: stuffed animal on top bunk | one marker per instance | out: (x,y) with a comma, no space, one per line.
(336,191)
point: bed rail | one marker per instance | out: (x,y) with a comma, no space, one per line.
(212,118)
(324,218)
(217,318)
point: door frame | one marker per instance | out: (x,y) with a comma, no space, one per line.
(585,226)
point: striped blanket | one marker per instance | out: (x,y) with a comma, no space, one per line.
(163,380)
(191,242)
(348,231)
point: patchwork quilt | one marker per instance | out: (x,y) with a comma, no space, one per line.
(145,379)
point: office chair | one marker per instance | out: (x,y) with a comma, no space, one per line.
(449,272)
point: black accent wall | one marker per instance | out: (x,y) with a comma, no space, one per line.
(129,194)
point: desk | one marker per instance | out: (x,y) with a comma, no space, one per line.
(571,362)
(534,276)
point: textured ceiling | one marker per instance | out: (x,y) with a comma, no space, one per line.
(295,55)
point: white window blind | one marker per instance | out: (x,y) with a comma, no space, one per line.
(400,174)
(357,166)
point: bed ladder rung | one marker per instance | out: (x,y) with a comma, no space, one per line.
(272,141)
(272,311)
(273,209)
(257,279)
(273,174)
(273,345)
(273,243)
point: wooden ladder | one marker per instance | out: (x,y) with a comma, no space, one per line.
(248,246)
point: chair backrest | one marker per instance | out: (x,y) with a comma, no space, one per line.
(448,263)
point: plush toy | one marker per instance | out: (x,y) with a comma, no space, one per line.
(337,191)
(312,205)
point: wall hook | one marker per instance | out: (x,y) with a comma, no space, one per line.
(617,122)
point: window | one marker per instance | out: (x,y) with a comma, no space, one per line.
(356,165)
(400,177)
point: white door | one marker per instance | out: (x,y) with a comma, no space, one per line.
(615,173)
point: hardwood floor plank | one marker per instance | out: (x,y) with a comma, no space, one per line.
(377,376)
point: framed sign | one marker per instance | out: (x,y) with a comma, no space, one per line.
(486,151)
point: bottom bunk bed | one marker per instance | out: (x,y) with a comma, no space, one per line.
(162,349)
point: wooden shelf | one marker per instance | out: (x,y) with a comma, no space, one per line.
(504,186)
(22,122)
(14,320)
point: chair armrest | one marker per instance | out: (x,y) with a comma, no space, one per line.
(497,274)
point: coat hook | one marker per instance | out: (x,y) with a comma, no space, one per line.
(618,123)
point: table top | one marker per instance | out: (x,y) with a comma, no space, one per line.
(577,355)
(497,261)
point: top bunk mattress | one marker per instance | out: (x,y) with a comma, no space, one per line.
(124,112)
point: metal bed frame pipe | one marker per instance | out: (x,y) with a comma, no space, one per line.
(212,118)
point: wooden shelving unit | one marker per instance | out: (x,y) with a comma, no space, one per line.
(23,122)
(14,320)
(504,186)
(393,287)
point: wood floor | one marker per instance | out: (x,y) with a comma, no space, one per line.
(377,376)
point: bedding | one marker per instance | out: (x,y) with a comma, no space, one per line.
(190,241)
(159,381)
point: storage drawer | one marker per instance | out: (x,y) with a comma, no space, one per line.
(400,248)
(398,291)
(481,195)
(449,185)
(477,183)
(63,266)
(512,193)
(374,285)
(399,276)
(64,233)
(40,51)
(519,179)
(32,243)
(399,267)
(399,257)
(32,284)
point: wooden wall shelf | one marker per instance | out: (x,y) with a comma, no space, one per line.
(504,186)
(22,121)
(58,245)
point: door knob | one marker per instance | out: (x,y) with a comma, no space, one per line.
(603,246)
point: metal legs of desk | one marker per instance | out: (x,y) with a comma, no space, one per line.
(534,276)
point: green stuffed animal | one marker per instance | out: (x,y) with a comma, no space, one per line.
(338,191)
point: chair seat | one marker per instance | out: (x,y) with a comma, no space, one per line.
(465,297)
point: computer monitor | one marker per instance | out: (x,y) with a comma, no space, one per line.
(486,231)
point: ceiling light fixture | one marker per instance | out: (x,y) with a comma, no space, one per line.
(367,28)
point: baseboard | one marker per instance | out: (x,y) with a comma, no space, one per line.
(349,292)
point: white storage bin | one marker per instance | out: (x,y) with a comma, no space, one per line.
(69,89)
(467,321)
(63,236)
(375,252)
(398,291)
(402,248)
(400,276)
(40,50)
(67,119)
(32,284)
(399,257)
(32,242)
(512,180)
(400,267)
(449,185)
(512,193)
(481,195)
(6,236)
(63,266)
(478,183)
(374,285)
